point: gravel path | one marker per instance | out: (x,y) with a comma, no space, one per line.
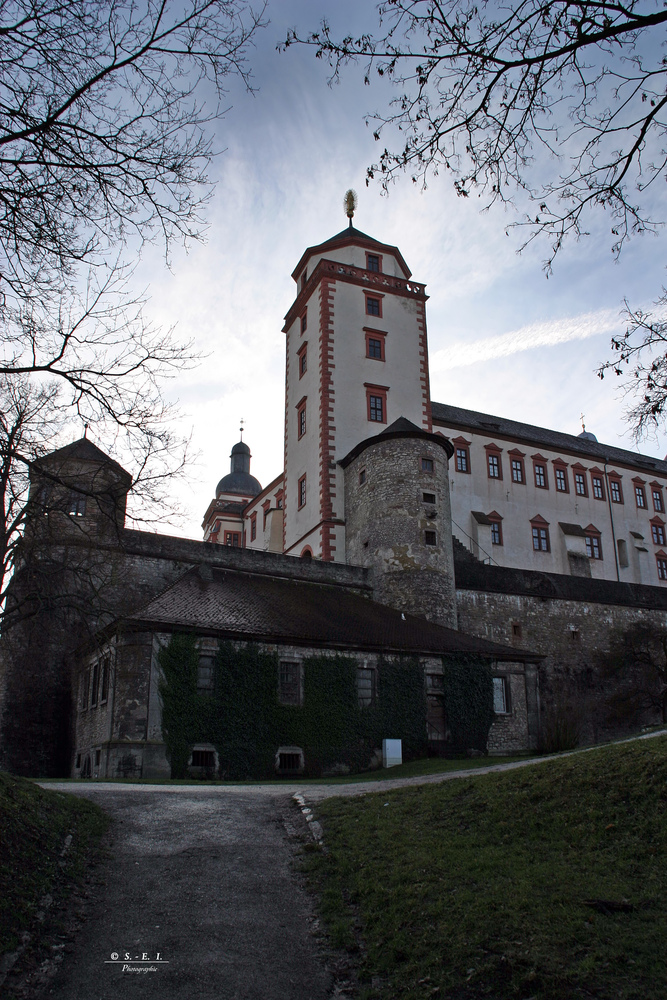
(204,881)
(202,876)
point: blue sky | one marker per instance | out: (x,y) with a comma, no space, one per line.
(502,337)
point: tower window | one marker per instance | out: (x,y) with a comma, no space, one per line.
(374,349)
(373,262)
(362,477)
(301,419)
(302,492)
(430,538)
(373,306)
(304,321)
(427,465)
(253,527)
(233,538)
(377,409)
(428,497)
(303,359)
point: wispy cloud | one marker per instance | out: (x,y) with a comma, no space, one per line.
(560,331)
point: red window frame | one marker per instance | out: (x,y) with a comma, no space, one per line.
(304,320)
(496,527)
(593,542)
(377,257)
(597,484)
(462,455)
(375,297)
(253,527)
(580,482)
(658,531)
(540,463)
(266,507)
(517,466)
(656,494)
(376,392)
(233,538)
(379,336)
(540,534)
(493,452)
(301,418)
(279,499)
(560,476)
(661,563)
(301,492)
(302,355)
(640,493)
(615,487)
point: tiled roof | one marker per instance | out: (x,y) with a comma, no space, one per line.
(485,423)
(265,609)
(84,450)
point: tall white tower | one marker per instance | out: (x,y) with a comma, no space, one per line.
(357,360)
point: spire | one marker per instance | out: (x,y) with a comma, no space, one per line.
(350,204)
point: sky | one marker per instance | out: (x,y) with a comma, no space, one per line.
(503,338)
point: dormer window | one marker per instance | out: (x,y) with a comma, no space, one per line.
(373,262)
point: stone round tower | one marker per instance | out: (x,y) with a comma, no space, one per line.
(399,521)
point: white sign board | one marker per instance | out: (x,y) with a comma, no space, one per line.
(392,753)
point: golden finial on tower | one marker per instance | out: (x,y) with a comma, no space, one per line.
(241,428)
(583,425)
(350,204)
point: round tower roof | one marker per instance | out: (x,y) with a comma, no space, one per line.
(238,482)
(240,448)
(587,436)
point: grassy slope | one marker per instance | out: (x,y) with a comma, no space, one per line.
(476,887)
(34,825)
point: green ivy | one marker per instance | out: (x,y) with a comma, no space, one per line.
(180,702)
(246,723)
(468,702)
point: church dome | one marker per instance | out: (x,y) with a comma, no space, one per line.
(239,480)
(587,436)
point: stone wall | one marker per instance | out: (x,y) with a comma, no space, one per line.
(559,617)
(389,523)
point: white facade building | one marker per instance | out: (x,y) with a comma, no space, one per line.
(521,496)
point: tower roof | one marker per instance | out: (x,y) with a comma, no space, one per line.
(401,428)
(238,480)
(346,237)
(83,450)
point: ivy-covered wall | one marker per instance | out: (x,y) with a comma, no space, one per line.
(243,719)
(468,694)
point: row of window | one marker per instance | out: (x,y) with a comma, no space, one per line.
(494,470)
(73,503)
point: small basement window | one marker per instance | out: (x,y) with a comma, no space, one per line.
(203,758)
(429,497)
(289,761)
